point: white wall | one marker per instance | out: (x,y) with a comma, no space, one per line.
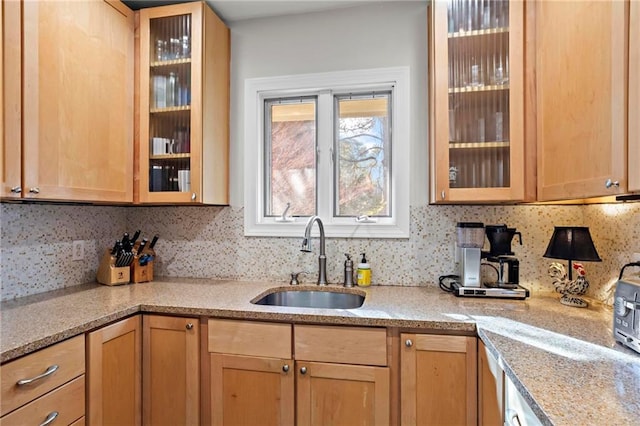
(374,35)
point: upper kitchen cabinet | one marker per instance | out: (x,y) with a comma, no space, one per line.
(184,105)
(68,101)
(634,96)
(581,76)
(477,101)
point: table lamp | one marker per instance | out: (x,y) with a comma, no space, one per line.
(571,243)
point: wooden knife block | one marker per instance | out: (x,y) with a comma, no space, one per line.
(141,274)
(109,274)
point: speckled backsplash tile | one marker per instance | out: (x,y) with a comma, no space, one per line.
(37,242)
(209,242)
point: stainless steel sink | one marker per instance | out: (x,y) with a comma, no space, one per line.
(312,299)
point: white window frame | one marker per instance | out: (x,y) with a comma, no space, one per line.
(325,85)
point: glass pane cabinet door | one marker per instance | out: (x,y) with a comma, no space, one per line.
(477,148)
(170,104)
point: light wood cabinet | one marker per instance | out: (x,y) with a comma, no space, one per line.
(256,380)
(348,383)
(251,373)
(476,86)
(46,385)
(438,379)
(634,96)
(183,147)
(341,394)
(170,370)
(490,389)
(68,112)
(114,374)
(581,80)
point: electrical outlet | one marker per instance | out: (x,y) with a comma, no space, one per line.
(78,250)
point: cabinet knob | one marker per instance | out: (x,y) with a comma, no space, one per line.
(193,196)
(285,368)
(612,184)
(303,370)
(189,326)
(443,194)
(50,418)
(16,189)
(34,190)
(408,343)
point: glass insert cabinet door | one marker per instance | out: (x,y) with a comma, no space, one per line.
(477,100)
(170,104)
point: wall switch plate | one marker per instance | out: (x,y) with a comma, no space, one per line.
(78,250)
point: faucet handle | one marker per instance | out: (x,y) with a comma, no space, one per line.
(294,277)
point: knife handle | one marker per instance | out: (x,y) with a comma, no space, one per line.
(114,250)
(135,238)
(153,242)
(141,247)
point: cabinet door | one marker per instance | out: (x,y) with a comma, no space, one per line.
(184,105)
(251,391)
(634,96)
(581,98)
(477,101)
(77,100)
(438,380)
(114,374)
(340,394)
(170,371)
(11,118)
(490,389)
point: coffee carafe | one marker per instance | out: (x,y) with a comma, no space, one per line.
(500,238)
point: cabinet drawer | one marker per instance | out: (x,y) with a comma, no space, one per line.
(68,356)
(345,345)
(67,401)
(250,338)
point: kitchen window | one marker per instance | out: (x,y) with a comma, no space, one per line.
(334,145)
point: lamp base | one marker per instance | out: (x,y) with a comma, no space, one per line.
(571,300)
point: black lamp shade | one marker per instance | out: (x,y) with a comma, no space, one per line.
(572,243)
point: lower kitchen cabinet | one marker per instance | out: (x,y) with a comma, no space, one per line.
(45,386)
(252,377)
(490,389)
(114,374)
(438,380)
(170,370)
(251,390)
(340,394)
(251,373)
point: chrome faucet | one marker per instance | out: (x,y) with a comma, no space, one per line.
(306,247)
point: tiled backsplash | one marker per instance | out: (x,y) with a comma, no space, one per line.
(209,242)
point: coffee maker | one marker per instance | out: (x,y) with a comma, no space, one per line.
(470,259)
(500,238)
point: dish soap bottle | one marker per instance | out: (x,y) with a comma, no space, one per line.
(364,272)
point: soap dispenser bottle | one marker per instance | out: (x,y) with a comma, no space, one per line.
(364,272)
(348,271)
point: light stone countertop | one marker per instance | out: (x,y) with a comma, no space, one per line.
(563,360)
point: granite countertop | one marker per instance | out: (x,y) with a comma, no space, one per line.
(563,360)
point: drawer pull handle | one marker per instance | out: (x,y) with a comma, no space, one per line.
(285,368)
(49,372)
(189,326)
(408,343)
(303,370)
(50,418)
